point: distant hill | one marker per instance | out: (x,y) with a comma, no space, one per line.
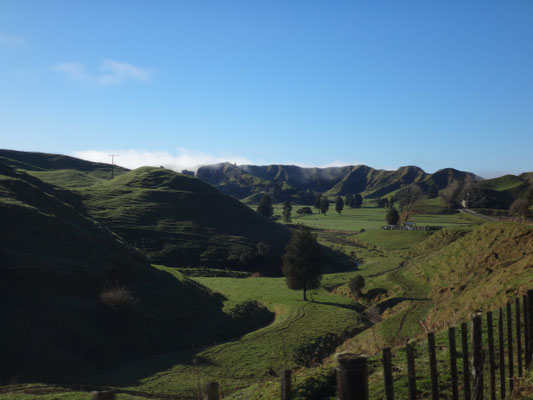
(293,182)
(76,298)
(59,170)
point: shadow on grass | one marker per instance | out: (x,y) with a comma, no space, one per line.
(354,307)
(394,301)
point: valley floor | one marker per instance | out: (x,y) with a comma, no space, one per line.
(399,298)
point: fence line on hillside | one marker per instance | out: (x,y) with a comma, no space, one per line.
(352,369)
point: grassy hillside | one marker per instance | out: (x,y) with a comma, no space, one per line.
(181,221)
(59,170)
(175,219)
(76,298)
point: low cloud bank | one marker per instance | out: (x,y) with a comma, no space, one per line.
(180,160)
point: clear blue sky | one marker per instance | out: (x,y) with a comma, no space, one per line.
(385,83)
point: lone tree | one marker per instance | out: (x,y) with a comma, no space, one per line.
(356,285)
(265,206)
(302,261)
(324,205)
(392,216)
(339,205)
(287,208)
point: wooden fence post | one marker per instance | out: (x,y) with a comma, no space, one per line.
(466,369)
(433,366)
(352,377)
(213,391)
(526,331)
(387,373)
(501,350)
(453,363)
(286,393)
(477,357)
(492,362)
(510,357)
(530,325)
(518,337)
(411,372)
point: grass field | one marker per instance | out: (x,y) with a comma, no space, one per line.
(396,264)
(255,356)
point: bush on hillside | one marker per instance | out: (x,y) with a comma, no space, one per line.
(356,285)
(251,315)
(118,299)
(519,208)
(304,211)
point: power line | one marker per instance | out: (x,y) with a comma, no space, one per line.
(113,164)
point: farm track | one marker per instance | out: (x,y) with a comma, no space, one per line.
(292,317)
(411,291)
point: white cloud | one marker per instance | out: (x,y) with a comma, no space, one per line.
(74,71)
(110,72)
(181,159)
(116,72)
(11,40)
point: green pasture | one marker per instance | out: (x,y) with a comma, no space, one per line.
(256,356)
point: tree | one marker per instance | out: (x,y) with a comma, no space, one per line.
(339,205)
(348,199)
(265,206)
(324,205)
(287,208)
(383,202)
(519,208)
(318,200)
(392,216)
(356,285)
(357,201)
(302,261)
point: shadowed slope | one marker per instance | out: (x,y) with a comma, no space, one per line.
(75,298)
(181,221)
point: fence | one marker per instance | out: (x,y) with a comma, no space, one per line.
(352,370)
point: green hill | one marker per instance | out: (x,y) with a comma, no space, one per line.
(75,298)
(59,170)
(180,221)
(176,220)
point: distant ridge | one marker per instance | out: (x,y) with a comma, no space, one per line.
(245,180)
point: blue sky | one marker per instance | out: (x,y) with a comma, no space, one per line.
(384,83)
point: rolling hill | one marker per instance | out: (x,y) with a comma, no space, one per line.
(76,298)
(175,219)
(179,220)
(58,169)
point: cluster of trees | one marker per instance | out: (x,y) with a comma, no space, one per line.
(353,200)
(321,204)
(384,202)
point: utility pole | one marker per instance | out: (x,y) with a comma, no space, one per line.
(113,164)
